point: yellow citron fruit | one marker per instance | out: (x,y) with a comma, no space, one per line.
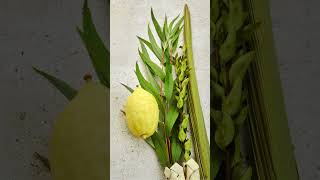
(142,113)
(78,145)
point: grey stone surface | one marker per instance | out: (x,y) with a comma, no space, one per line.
(42,33)
(296,27)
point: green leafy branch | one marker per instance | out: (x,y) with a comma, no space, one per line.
(159,81)
(231,58)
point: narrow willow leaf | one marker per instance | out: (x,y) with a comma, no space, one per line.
(232,104)
(177,35)
(168,84)
(150,77)
(201,143)
(160,148)
(172,22)
(225,132)
(62,86)
(157,26)
(176,149)
(150,142)
(217,158)
(165,28)
(128,88)
(177,25)
(153,66)
(228,48)
(148,87)
(240,66)
(155,48)
(236,16)
(97,51)
(171,118)
(242,116)
(237,150)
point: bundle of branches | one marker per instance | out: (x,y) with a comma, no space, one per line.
(172,82)
(241,33)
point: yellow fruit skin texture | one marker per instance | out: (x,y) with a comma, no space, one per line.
(78,145)
(142,113)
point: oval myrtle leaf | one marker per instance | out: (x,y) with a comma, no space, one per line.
(232,103)
(242,116)
(241,172)
(218,91)
(228,48)
(240,66)
(225,132)
(236,16)
(217,116)
(213,74)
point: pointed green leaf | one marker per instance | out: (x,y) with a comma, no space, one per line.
(150,77)
(150,142)
(249,30)
(62,86)
(148,87)
(171,118)
(241,172)
(228,48)
(155,48)
(236,16)
(128,88)
(217,90)
(216,116)
(96,49)
(153,66)
(157,26)
(160,148)
(176,149)
(240,66)
(232,103)
(242,116)
(225,132)
(177,25)
(173,21)
(168,84)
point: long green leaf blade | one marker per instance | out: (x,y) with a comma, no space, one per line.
(96,49)
(157,26)
(62,86)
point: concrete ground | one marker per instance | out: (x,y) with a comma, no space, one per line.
(42,33)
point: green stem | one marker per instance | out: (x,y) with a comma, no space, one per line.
(200,138)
